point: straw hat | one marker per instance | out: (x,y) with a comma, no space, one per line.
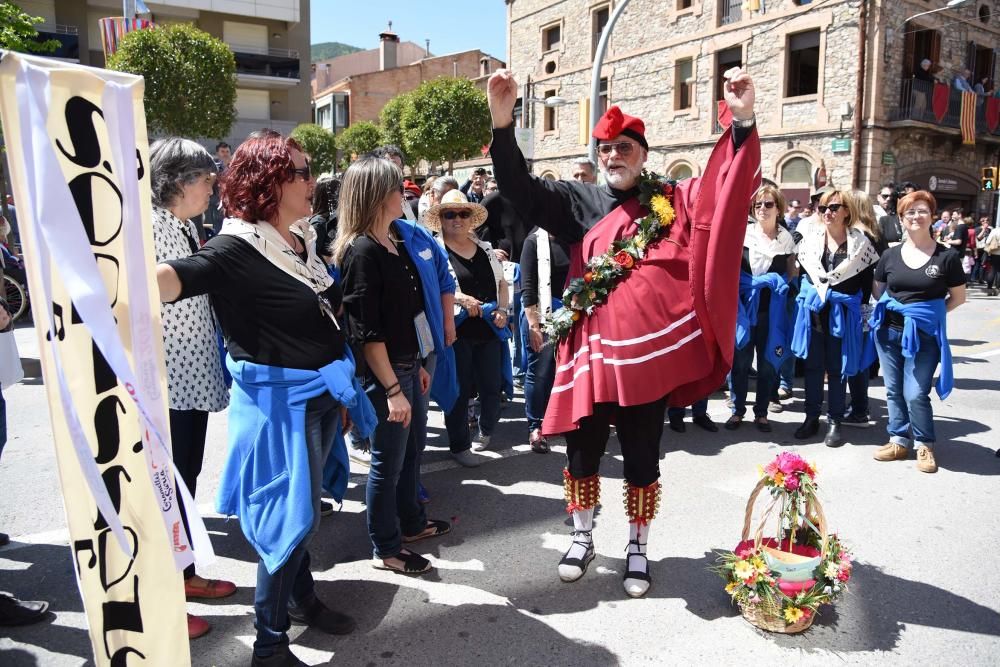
(454,200)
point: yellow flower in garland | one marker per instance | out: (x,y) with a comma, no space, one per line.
(743,570)
(731,586)
(779,479)
(661,206)
(759,564)
(793,614)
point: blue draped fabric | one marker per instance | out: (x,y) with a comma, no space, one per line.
(504,334)
(777,320)
(929,317)
(857,353)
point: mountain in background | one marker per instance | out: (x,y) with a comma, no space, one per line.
(326,50)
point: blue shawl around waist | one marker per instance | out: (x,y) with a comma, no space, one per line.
(777,313)
(504,334)
(266,479)
(931,317)
(857,351)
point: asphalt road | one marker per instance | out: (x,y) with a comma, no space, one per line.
(925,590)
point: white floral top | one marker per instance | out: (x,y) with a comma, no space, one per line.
(190,341)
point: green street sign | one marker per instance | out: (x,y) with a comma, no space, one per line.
(888,158)
(841,145)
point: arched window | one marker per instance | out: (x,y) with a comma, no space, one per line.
(550,175)
(796,170)
(680,171)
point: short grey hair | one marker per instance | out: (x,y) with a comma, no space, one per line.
(443,184)
(174,163)
(586,162)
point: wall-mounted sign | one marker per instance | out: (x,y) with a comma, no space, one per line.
(841,145)
(888,158)
(942,184)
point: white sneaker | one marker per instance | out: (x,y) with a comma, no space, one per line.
(466,458)
(481,442)
(359,456)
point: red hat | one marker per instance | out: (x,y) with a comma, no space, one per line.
(410,186)
(614,123)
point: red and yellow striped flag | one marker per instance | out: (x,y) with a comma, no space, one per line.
(968,118)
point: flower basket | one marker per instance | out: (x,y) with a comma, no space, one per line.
(780,583)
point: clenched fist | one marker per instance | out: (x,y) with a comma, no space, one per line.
(501,91)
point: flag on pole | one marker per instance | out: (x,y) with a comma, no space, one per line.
(992,113)
(114,28)
(939,100)
(968,118)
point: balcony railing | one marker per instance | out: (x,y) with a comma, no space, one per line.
(916,102)
(66,35)
(282,63)
(730,11)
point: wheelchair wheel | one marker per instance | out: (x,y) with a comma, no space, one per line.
(17,298)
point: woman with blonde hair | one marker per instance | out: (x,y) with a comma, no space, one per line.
(399,298)
(837,262)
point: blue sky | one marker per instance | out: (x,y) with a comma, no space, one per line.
(451,25)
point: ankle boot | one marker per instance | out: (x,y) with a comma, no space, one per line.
(809,428)
(833,438)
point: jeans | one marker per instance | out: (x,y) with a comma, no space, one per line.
(786,374)
(858,384)
(292,583)
(767,377)
(519,348)
(824,357)
(538,378)
(187,438)
(479,364)
(908,384)
(698,408)
(391,493)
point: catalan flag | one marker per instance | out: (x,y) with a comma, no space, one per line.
(968,118)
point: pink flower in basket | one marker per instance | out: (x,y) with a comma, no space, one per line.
(792,482)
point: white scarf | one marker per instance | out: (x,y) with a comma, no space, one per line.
(494,264)
(268,242)
(762,249)
(860,255)
(543,253)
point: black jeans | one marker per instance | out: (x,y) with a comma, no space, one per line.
(187,437)
(479,364)
(639,430)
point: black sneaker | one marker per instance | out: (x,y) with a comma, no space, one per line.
(325,508)
(318,615)
(282,657)
(677,423)
(862,421)
(20,612)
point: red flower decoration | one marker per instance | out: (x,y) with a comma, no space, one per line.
(668,190)
(624,259)
(588,277)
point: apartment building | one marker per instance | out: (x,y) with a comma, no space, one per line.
(837,98)
(270,39)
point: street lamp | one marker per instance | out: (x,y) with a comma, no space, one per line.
(952,4)
(552,101)
(595,77)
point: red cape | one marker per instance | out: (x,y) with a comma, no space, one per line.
(670,326)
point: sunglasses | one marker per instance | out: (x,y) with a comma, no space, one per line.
(832,208)
(304,172)
(764,204)
(883,195)
(464,214)
(624,148)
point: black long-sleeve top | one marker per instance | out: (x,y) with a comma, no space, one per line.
(862,281)
(559,256)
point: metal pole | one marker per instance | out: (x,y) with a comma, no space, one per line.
(595,78)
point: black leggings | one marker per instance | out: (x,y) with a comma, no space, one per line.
(639,430)
(187,434)
(994,279)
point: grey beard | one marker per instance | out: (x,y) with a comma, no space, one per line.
(620,181)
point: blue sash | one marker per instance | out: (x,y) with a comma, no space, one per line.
(927,316)
(856,353)
(777,313)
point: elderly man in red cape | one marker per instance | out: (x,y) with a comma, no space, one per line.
(665,330)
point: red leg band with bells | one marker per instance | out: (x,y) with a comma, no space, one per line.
(581,494)
(642,502)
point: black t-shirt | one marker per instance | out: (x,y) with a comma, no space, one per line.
(962,234)
(891,228)
(559,267)
(926,283)
(475,278)
(382,295)
(267,316)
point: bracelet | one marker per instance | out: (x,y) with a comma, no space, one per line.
(744,124)
(395,393)
(391,387)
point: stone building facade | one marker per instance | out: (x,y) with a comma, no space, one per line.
(833,80)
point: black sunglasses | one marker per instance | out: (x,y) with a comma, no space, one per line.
(833,208)
(464,214)
(304,172)
(765,204)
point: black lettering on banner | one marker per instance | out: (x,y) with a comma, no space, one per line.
(84,188)
(104,376)
(106,427)
(60,332)
(112,482)
(122,616)
(79,114)
(105,542)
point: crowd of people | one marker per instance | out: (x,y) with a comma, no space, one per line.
(327,313)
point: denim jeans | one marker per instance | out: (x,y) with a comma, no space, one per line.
(538,378)
(824,357)
(519,348)
(908,384)
(478,363)
(767,377)
(858,385)
(292,583)
(391,493)
(698,408)
(786,374)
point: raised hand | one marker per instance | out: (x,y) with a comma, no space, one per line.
(501,91)
(739,93)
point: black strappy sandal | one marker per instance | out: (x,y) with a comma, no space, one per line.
(434,528)
(579,563)
(412,563)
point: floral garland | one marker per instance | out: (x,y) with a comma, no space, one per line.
(604,272)
(750,581)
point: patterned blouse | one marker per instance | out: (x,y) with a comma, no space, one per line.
(190,339)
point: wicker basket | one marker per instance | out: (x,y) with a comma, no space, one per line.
(768,616)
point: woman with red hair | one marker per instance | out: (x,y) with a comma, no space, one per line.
(293,378)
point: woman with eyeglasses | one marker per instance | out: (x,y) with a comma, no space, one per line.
(481,300)
(917,284)
(293,378)
(762,321)
(399,298)
(837,261)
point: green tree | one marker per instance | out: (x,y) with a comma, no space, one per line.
(358,139)
(391,120)
(320,144)
(190,79)
(18,33)
(447,119)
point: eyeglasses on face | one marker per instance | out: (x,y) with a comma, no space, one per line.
(917,213)
(883,195)
(624,148)
(464,214)
(832,208)
(304,172)
(764,204)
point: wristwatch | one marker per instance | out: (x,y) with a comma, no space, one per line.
(745,124)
